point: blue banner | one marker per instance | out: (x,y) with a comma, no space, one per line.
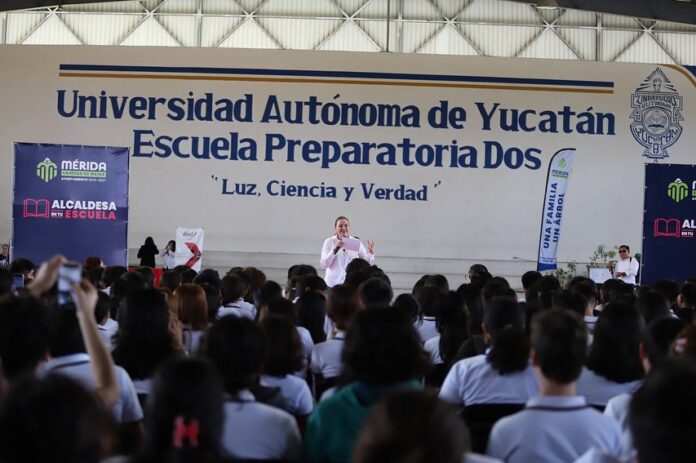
(669,223)
(554,201)
(71,200)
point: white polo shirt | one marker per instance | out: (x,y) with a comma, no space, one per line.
(192,340)
(76,366)
(294,390)
(553,429)
(474,381)
(253,430)
(426,328)
(226,311)
(617,408)
(307,348)
(243,308)
(326,358)
(432,347)
(597,390)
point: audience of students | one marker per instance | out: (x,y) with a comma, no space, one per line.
(271,357)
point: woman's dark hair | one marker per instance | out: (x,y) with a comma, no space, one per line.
(210,276)
(437,280)
(311,312)
(473,301)
(172,245)
(123,286)
(357,265)
(453,324)
(148,274)
(668,287)
(213,299)
(171,280)
(143,340)
(342,305)
(266,293)
(613,289)
(688,294)
(412,426)
(101,310)
(52,419)
(382,347)
(375,292)
(662,415)
(309,283)
(658,338)
(504,321)
(285,352)
(113,273)
(238,347)
(256,279)
(494,287)
(282,308)
(427,298)
(614,353)
(149,241)
(542,291)
(301,270)
(95,275)
(185,413)
(652,305)
(569,300)
(187,273)
(408,305)
(559,340)
(24,335)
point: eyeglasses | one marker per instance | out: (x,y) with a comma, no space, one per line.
(622,251)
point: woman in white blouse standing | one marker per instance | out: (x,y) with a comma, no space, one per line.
(335,257)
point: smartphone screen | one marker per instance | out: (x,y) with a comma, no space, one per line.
(69,273)
(17,281)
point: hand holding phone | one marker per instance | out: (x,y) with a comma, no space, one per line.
(69,273)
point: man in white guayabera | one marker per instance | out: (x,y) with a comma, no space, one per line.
(626,268)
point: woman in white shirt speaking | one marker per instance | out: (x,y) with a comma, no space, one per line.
(338,251)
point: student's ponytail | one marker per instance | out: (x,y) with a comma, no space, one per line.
(509,343)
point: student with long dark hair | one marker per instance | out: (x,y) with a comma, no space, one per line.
(185,414)
(412,426)
(613,364)
(252,430)
(453,324)
(382,352)
(342,306)
(503,375)
(144,339)
(311,314)
(285,357)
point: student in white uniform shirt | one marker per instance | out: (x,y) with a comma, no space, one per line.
(342,305)
(285,357)
(453,326)
(70,359)
(613,363)
(190,304)
(503,375)
(252,430)
(283,308)
(233,290)
(426,296)
(558,425)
